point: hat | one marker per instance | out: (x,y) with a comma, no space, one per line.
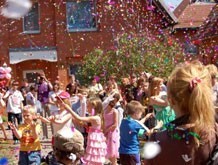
(64,95)
(72,144)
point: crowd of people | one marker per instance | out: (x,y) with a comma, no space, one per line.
(107,123)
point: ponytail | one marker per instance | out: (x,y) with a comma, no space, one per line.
(190,86)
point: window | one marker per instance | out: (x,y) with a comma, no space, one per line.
(31,20)
(81,15)
(73,69)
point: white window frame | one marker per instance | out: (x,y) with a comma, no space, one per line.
(33,31)
(84,29)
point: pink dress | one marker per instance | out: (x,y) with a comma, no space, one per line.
(96,147)
(113,137)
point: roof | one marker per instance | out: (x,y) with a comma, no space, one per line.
(209,29)
(178,11)
(194,15)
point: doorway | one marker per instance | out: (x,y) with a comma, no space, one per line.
(32,76)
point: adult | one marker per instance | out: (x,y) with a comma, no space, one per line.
(43,87)
(191,137)
(72,87)
(14,106)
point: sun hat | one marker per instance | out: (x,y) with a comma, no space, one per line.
(72,144)
(64,95)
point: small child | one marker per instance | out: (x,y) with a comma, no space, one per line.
(28,133)
(130,129)
(111,132)
(96,145)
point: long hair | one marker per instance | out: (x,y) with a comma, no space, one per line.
(98,107)
(154,85)
(196,101)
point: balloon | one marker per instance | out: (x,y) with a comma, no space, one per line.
(8,69)
(8,76)
(16,9)
(150,150)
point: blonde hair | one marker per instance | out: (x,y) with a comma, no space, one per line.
(134,107)
(197,101)
(29,109)
(212,70)
(97,105)
(153,85)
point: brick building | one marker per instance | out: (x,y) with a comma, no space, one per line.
(55,35)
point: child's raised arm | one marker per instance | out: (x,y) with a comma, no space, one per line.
(15,131)
(36,130)
(60,120)
(43,119)
(89,119)
(146,118)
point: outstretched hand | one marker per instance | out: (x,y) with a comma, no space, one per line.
(159,124)
(149,115)
(12,126)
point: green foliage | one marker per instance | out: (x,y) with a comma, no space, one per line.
(133,53)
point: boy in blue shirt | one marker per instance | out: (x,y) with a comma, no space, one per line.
(130,128)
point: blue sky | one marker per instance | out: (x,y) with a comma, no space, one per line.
(172,4)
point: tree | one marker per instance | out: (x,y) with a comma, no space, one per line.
(133,53)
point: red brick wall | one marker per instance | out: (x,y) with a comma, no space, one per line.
(121,18)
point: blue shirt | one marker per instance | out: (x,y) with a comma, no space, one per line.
(129,143)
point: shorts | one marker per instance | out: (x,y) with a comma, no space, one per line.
(130,159)
(29,158)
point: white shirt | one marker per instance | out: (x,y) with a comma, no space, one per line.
(14,101)
(66,125)
(96,88)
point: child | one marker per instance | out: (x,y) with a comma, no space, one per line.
(130,128)
(111,132)
(192,136)
(68,149)
(96,145)
(28,133)
(63,119)
(14,105)
(2,105)
(158,99)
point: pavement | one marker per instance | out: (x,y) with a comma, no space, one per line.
(10,151)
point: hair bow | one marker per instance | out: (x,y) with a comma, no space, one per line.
(193,83)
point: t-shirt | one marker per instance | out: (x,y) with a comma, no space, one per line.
(53,108)
(27,142)
(43,90)
(14,101)
(129,143)
(96,88)
(30,99)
